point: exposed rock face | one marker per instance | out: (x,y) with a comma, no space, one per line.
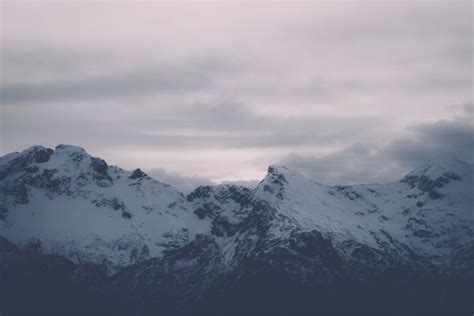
(104,239)
(137,174)
(90,212)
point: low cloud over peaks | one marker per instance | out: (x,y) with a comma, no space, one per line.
(346,92)
(363,162)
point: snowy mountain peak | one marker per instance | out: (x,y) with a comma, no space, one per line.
(435,176)
(70,148)
(68,203)
(138,174)
(32,154)
(281,175)
(281,181)
(16,162)
(33,148)
(280,170)
(443,167)
(274,182)
(80,207)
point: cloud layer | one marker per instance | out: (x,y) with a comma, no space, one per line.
(344,92)
(362,162)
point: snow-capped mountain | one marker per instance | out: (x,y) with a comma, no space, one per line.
(428,212)
(285,245)
(77,206)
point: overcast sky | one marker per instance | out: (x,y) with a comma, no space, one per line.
(343,91)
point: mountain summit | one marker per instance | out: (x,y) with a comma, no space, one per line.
(284,246)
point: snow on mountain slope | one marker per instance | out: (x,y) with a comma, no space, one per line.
(229,201)
(428,212)
(77,206)
(290,244)
(66,202)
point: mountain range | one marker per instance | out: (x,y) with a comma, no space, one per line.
(77,234)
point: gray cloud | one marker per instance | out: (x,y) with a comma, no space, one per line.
(136,82)
(343,51)
(25,62)
(251,184)
(210,125)
(186,183)
(362,163)
(239,84)
(444,139)
(183,183)
(357,163)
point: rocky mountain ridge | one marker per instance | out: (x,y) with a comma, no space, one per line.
(289,238)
